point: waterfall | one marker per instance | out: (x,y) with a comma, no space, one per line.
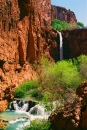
(15,105)
(25,107)
(21,105)
(37,110)
(22,112)
(61,45)
(28,106)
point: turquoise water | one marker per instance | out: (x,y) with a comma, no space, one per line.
(19,118)
(11,115)
(16,119)
(17,125)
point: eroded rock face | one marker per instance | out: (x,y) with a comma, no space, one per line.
(63,14)
(33,16)
(74,43)
(22,41)
(3,105)
(68,118)
(14,69)
(74,115)
(82,93)
(50,44)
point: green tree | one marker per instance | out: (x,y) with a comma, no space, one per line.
(80,24)
(60,25)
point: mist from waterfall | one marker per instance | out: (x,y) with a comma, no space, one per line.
(61,45)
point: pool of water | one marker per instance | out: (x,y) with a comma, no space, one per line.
(16,119)
(11,115)
(17,124)
(19,118)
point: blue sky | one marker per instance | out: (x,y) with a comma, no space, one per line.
(79,7)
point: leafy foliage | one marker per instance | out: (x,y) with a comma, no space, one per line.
(19,93)
(23,88)
(36,93)
(38,125)
(28,85)
(68,75)
(60,25)
(55,79)
(63,72)
(82,60)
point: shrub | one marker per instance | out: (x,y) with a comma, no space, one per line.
(56,78)
(35,93)
(28,85)
(38,125)
(23,88)
(80,24)
(68,74)
(19,93)
(63,73)
(82,60)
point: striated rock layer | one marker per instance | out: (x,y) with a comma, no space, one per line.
(63,14)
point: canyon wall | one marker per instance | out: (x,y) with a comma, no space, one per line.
(63,14)
(25,34)
(74,43)
(22,40)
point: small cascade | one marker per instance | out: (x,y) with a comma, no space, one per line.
(20,105)
(61,45)
(25,107)
(37,110)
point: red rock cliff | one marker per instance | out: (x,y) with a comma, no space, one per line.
(21,41)
(74,43)
(63,14)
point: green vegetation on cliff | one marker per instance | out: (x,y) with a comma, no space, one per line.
(80,24)
(60,25)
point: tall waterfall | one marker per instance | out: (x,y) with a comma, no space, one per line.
(61,45)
